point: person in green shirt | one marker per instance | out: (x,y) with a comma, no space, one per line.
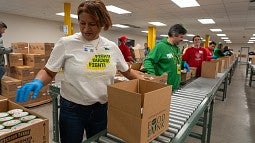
(218,52)
(165,57)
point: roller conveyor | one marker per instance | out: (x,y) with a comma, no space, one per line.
(187,106)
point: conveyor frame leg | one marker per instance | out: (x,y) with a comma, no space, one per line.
(55,118)
(210,121)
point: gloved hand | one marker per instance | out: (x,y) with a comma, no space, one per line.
(23,93)
(186,66)
(214,57)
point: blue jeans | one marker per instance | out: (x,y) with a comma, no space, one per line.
(2,72)
(74,118)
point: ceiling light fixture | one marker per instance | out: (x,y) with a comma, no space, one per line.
(145,31)
(224,38)
(117,10)
(120,26)
(186,3)
(71,15)
(250,42)
(163,35)
(221,35)
(157,23)
(216,30)
(190,35)
(206,21)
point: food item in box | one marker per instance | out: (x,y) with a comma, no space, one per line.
(27,118)
(19,126)
(11,123)
(4,119)
(3,114)
(14,111)
(20,114)
(1,127)
(35,121)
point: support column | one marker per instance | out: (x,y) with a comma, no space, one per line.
(67,19)
(207,39)
(151,36)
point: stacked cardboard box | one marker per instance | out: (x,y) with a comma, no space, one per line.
(9,86)
(37,61)
(15,59)
(25,62)
(20,47)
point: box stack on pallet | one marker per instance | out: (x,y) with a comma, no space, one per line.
(23,65)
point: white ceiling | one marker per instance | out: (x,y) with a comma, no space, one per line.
(235,17)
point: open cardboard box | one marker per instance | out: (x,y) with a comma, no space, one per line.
(209,69)
(34,133)
(138,110)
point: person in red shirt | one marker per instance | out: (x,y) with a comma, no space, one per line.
(210,51)
(195,55)
(125,49)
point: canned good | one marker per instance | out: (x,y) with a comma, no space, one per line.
(20,114)
(14,111)
(11,123)
(3,114)
(1,127)
(27,118)
(4,119)
(19,126)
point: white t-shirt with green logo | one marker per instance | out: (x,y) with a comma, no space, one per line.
(88,67)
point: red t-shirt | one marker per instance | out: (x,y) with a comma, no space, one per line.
(209,54)
(194,57)
(125,52)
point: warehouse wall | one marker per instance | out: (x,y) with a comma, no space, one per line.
(26,29)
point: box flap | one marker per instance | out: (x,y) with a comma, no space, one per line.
(157,100)
(124,96)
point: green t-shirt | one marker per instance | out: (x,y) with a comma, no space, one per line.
(165,58)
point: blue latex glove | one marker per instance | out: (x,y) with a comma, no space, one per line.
(23,92)
(186,66)
(214,57)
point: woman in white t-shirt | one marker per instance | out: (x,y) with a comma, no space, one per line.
(89,62)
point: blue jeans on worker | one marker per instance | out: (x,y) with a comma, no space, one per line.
(74,118)
(2,72)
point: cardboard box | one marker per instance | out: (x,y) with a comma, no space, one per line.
(193,71)
(20,47)
(15,59)
(221,65)
(227,61)
(185,76)
(34,133)
(37,61)
(41,48)
(139,53)
(209,69)
(138,110)
(136,66)
(2,97)
(22,72)
(253,60)
(9,86)
(159,79)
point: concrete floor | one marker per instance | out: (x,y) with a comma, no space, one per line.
(233,119)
